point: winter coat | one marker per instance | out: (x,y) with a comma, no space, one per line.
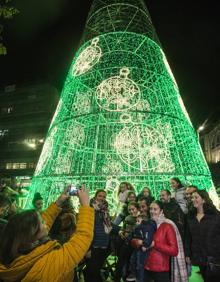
(101,238)
(145,232)
(165,246)
(180,197)
(203,238)
(51,262)
(173,212)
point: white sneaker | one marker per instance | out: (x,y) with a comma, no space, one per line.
(131,277)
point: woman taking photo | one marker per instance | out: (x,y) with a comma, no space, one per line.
(166,243)
(203,236)
(28,254)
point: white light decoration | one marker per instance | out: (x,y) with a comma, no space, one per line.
(88,58)
(125,118)
(118,93)
(112,168)
(168,68)
(82,104)
(214,197)
(183,108)
(139,146)
(74,135)
(56,112)
(46,152)
(111,187)
(63,162)
(143,105)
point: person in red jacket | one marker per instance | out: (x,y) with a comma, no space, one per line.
(164,246)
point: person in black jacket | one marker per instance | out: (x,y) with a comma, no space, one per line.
(173,211)
(203,236)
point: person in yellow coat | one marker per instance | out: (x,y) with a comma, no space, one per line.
(27,254)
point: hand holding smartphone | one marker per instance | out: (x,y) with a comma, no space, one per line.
(73,189)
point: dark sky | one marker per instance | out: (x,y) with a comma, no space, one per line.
(42,39)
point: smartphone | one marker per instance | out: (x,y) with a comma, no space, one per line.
(73,190)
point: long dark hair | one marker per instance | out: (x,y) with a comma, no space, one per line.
(21,230)
(127,184)
(99,191)
(159,203)
(208,206)
(177,181)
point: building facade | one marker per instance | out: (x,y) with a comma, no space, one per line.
(211,144)
(25,114)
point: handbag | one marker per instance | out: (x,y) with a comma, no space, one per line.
(213,267)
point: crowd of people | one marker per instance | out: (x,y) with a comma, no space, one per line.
(151,239)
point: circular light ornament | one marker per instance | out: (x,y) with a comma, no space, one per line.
(88,58)
(118,93)
(74,135)
(82,104)
(144,148)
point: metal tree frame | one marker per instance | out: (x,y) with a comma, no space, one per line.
(120,116)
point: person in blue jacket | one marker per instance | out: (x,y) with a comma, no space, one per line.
(141,239)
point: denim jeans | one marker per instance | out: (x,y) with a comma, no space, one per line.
(137,261)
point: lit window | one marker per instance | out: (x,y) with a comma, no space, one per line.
(16,165)
(9,166)
(3,132)
(7,110)
(23,165)
(31,165)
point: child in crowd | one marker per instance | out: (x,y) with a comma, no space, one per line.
(141,239)
(125,188)
(146,193)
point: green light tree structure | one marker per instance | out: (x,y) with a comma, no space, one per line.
(120,116)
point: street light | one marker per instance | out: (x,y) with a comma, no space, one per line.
(201,128)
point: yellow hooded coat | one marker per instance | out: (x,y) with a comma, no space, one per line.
(51,261)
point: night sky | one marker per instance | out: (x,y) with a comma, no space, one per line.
(42,39)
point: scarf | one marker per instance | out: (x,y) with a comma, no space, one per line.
(178,263)
(102,209)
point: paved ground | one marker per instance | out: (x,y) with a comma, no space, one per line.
(195,277)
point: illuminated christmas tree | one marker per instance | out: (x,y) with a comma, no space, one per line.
(120,116)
